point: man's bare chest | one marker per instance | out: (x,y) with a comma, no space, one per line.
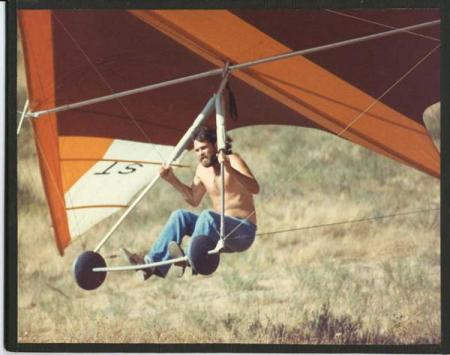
(213,182)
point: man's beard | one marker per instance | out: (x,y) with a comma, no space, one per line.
(209,161)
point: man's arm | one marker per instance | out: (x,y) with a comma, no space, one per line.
(192,194)
(237,168)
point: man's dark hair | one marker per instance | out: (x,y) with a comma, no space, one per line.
(206,134)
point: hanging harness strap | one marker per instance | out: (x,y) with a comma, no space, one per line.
(232,106)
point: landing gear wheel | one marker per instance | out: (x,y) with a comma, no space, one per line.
(82,269)
(200,260)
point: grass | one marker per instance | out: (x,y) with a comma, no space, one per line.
(374,282)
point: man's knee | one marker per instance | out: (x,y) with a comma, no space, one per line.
(206,223)
(177,215)
(206,215)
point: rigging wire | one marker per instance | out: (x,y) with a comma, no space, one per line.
(105,82)
(380,24)
(318,226)
(352,122)
(365,219)
(127,111)
(25,113)
(388,90)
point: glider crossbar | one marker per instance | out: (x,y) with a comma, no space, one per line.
(334,45)
(219,71)
(146,266)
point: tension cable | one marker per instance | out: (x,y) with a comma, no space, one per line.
(367,219)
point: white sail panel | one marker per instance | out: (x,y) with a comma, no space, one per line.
(110,184)
(80,220)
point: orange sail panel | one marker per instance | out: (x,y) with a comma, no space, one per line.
(300,84)
(41,86)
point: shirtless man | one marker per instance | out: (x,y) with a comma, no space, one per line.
(240,217)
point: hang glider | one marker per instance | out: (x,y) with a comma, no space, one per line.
(372,91)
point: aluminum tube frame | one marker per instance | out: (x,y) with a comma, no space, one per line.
(231,68)
(221,146)
(147,266)
(141,266)
(179,148)
(22,116)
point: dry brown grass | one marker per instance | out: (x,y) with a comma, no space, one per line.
(370,282)
(374,282)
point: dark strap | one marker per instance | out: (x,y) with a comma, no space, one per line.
(232,106)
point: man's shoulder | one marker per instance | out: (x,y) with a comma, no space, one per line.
(235,157)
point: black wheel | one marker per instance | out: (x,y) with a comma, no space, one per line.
(82,269)
(199,258)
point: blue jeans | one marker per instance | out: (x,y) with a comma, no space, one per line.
(240,234)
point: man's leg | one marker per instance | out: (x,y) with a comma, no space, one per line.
(180,223)
(207,226)
(240,234)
